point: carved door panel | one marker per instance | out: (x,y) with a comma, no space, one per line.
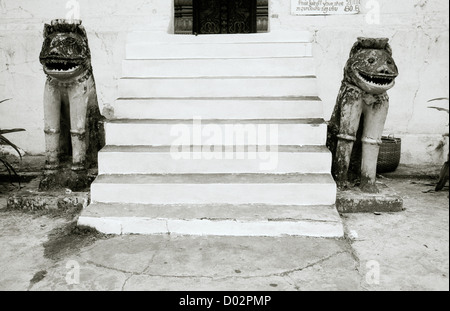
(224,16)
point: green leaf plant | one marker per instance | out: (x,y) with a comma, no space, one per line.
(5,141)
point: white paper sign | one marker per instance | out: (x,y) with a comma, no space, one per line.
(322,7)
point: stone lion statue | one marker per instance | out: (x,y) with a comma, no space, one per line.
(73,123)
(357,122)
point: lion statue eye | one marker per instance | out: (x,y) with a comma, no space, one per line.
(371,60)
(389,62)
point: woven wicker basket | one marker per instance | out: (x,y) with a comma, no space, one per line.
(389,156)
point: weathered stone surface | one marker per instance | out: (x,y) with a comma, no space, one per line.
(161,263)
(356,201)
(65,178)
(35,201)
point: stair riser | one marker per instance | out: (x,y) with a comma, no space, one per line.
(123,134)
(281,194)
(133,225)
(217,50)
(217,109)
(219,67)
(239,87)
(181,163)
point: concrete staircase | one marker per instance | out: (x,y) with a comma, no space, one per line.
(216,135)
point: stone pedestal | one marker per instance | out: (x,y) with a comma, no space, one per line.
(31,199)
(356,201)
(48,201)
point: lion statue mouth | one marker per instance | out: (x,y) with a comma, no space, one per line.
(63,69)
(376,80)
(374,83)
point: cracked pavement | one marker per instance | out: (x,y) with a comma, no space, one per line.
(391,251)
(207,263)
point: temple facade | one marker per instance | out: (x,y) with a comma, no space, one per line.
(216,110)
(417,32)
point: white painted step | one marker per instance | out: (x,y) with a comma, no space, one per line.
(217,50)
(219,108)
(225,220)
(218,87)
(195,160)
(216,132)
(165,38)
(234,67)
(285,189)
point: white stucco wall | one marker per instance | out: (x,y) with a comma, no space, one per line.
(419,35)
(417,29)
(21,75)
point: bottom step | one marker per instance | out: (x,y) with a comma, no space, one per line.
(222,220)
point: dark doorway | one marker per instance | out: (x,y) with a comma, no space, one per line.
(220,16)
(224,16)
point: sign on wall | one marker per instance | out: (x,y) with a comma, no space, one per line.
(325,7)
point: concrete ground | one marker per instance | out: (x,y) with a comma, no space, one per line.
(408,250)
